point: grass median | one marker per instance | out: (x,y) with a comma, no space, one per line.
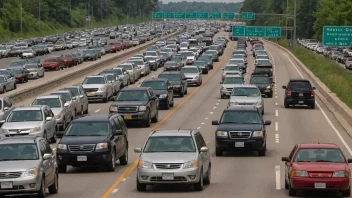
(337,79)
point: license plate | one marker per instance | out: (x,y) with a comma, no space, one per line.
(239,144)
(82,158)
(320,185)
(301,94)
(127,117)
(227,94)
(267,91)
(6,185)
(90,94)
(300,102)
(168,176)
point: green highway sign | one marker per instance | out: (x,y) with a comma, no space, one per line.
(238,31)
(191,15)
(254,31)
(169,15)
(202,15)
(272,32)
(157,15)
(248,16)
(214,15)
(180,15)
(337,36)
(228,15)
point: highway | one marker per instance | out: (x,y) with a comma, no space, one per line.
(243,175)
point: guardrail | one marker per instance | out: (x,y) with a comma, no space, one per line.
(38,89)
(337,105)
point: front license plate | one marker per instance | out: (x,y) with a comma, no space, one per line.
(168,176)
(90,94)
(320,185)
(6,185)
(81,158)
(300,102)
(301,94)
(267,91)
(239,144)
(127,117)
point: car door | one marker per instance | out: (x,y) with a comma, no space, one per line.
(49,125)
(170,91)
(202,155)
(84,98)
(153,102)
(46,163)
(288,164)
(8,107)
(50,173)
(120,139)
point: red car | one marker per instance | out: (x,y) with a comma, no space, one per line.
(317,167)
(114,47)
(68,60)
(55,63)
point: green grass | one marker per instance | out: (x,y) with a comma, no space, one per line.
(337,79)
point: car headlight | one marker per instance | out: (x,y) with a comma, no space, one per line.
(102,89)
(142,108)
(258,134)
(223,88)
(223,74)
(177,85)
(259,102)
(31,172)
(221,133)
(299,174)
(268,87)
(62,146)
(113,108)
(145,164)
(196,77)
(35,129)
(102,145)
(58,116)
(190,164)
(163,96)
(340,174)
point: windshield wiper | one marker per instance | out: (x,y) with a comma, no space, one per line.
(303,161)
(324,161)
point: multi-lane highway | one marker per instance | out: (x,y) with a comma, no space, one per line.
(242,175)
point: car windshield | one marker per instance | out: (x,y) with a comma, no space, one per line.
(67,56)
(170,77)
(239,52)
(155,85)
(137,62)
(245,91)
(214,47)
(176,59)
(50,61)
(185,54)
(126,67)
(73,90)
(241,117)
(88,129)
(232,68)
(319,155)
(183,45)
(263,62)
(300,85)
(51,102)
(94,80)
(17,71)
(14,152)
(27,51)
(66,96)
(189,70)
(237,56)
(260,80)
(236,61)
(25,116)
(31,66)
(34,60)
(210,52)
(199,63)
(169,144)
(151,54)
(17,63)
(2,79)
(132,96)
(233,80)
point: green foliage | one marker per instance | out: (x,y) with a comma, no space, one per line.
(57,16)
(200,7)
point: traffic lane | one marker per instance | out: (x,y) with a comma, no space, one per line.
(301,124)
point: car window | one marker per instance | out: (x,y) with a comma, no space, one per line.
(46,113)
(117,124)
(170,144)
(299,85)
(249,92)
(25,116)
(47,146)
(94,80)
(198,142)
(7,103)
(260,80)
(202,141)
(88,129)
(112,125)
(10,152)
(51,102)
(233,80)
(241,117)
(319,155)
(132,96)
(122,123)
(292,152)
(155,85)
(42,148)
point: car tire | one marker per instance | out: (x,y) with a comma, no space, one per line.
(312,106)
(167,106)
(124,158)
(270,95)
(291,191)
(111,165)
(173,103)
(263,151)
(286,185)
(222,96)
(62,168)
(156,117)
(286,105)
(346,193)
(141,187)
(186,91)
(218,152)
(199,185)
(105,100)
(3,90)
(207,180)
(54,188)
(148,121)
(182,93)
(54,138)
(41,193)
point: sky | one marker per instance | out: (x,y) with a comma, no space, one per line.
(226,1)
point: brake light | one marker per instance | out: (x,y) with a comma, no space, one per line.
(312,94)
(289,93)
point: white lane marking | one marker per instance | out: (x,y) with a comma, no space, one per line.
(275,96)
(217,103)
(96,111)
(214,107)
(324,114)
(211,113)
(199,127)
(115,191)
(202,123)
(276,126)
(276,103)
(276,112)
(206,118)
(277,177)
(124,179)
(219,100)
(277,138)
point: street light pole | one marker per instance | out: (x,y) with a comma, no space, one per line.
(39,14)
(21,14)
(286,17)
(295,22)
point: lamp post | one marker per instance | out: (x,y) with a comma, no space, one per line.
(21,14)
(295,23)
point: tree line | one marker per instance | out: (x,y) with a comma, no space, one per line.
(199,7)
(312,15)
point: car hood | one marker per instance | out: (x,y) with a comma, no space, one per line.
(18,165)
(129,103)
(21,125)
(87,86)
(319,166)
(56,110)
(262,86)
(191,75)
(168,157)
(240,127)
(83,139)
(228,85)
(244,99)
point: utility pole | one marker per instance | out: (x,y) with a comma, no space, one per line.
(295,24)
(128,10)
(101,10)
(286,17)
(21,15)
(39,14)
(70,12)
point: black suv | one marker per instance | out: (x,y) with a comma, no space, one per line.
(264,83)
(163,90)
(241,129)
(299,91)
(137,104)
(94,140)
(265,70)
(177,80)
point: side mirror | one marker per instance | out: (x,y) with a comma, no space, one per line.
(138,150)
(153,98)
(118,132)
(66,104)
(170,87)
(48,118)
(285,159)
(314,88)
(47,156)
(273,82)
(215,122)
(81,96)
(2,121)
(74,98)
(263,95)
(204,149)
(124,72)
(6,108)
(284,87)
(267,122)
(349,161)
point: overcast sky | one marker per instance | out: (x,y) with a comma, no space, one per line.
(226,1)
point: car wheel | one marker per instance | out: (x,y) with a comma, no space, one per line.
(291,191)
(111,166)
(4,89)
(45,135)
(346,193)
(172,103)
(54,188)
(218,152)
(270,95)
(286,184)
(105,100)
(199,185)
(15,86)
(82,112)
(286,105)
(54,138)
(148,121)
(62,168)
(206,180)
(41,193)
(312,106)
(141,187)
(167,105)
(63,127)
(263,151)
(186,92)
(155,118)
(182,93)
(124,159)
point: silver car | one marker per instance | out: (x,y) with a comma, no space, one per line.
(78,92)
(132,72)
(28,53)
(6,108)
(37,120)
(228,84)
(28,165)
(6,83)
(231,69)
(193,75)
(35,69)
(174,156)
(58,106)
(244,95)
(116,84)
(98,88)
(145,70)
(73,105)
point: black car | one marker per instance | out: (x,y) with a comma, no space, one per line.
(202,65)
(208,60)
(177,80)
(264,83)
(264,70)
(137,104)
(163,90)
(172,66)
(90,55)
(240,129)
(94,140)
(299,91)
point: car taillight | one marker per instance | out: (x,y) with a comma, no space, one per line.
(312,94)
(289,93)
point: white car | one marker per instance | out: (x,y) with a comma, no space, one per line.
(28,53)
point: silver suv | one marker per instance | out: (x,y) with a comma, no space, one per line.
(28,165)
(229,82)
(174,156)
(98,88)
(247,95)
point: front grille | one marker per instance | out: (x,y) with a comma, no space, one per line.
(168,166)
(82,147)
(91,90)
(17,130)
(176,179)
(20,187)
(229,89)
(247,103)
(240,134)
(129,109)
(10,175)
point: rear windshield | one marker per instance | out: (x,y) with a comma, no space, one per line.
(300,85)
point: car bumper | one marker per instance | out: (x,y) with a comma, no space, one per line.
(22,185)
(309,183)
(300,101)
(96,95)
(225,92)
(152,176)
(93,158)
(33,75)
(177,89)
(193,81)
(249,144)
(133,117)
(50,67)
